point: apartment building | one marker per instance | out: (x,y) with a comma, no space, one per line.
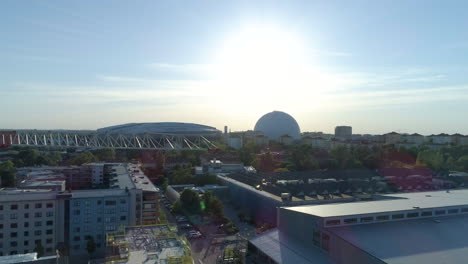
(29,217)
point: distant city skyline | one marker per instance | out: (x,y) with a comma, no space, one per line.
(376,66)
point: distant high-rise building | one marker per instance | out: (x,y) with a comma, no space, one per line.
(343,132)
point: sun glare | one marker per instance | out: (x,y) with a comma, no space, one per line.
(265,62)
(258,54)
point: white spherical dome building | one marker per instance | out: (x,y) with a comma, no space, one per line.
(276,124)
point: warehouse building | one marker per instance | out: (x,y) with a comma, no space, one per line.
(426,227)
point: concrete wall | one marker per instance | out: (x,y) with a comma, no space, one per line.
(261,207)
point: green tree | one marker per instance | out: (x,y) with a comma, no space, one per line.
(90,245)
(81,158)
(39,249)
(28,157)
(217,208)
(190,200)
(462,163)
(165,184)
(105,154)
(8,174)
(247,153)
(182,176)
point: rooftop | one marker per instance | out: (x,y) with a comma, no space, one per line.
(149,244)
(394,202)
(416,241)
(285,251)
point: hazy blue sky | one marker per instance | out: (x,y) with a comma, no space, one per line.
(379,66)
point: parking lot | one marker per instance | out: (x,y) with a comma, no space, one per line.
(207,239)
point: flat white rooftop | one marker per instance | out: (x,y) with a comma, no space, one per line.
(428,241)
(401,202)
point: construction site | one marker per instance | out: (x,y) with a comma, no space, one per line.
(151,244)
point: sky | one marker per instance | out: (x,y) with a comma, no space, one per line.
(378,66)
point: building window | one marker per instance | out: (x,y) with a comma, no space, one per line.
(14,207)
(76,238)
(13,244)
(38,214)
(99,202)
(412,215)
(86,203)
(86,220)
(110,202)
(98,245)
(382,217)
(1,226)
(38,223)
(350,220)
(38,205)
(26,215)
(13,234)
(123,218)
(49,241)
(49,205)
(14,252)
(13,216)
(452,211)
(440,212)
(426,213)
(464,210)
(367,219)
(1,217)
(49,214)
(49,250)
(76,229)
(123,201)
(325,242)
(76,212)
(333,222)
(398,216)
(38,232)
(50,222)
(99,219)
(26,233)
(86,228)
(14,225)
(76,203)
(26,206)
(76,247)
(49,231)
(26,224)
(26,243)
(1,235)
(1,207)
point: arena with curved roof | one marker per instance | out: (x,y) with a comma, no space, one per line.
(161,127)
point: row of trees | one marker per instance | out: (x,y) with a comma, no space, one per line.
(304,157)
(184,176)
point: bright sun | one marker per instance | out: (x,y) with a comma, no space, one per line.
(265,68)
(258,54)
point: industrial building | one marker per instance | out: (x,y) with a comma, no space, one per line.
(425,227)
